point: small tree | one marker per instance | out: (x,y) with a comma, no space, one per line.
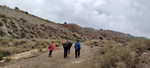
(101,29)
(101,38)
(26,12)
(16,8)
(65,22)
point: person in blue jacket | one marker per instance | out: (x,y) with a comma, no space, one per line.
(77,49)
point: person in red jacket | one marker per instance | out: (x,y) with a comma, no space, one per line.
(51,49)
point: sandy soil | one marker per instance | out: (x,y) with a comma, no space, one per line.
(86,59)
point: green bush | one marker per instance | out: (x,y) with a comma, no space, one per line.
(3,54)
(101,38)
(117,57)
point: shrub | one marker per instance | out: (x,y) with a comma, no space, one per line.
(26,12)
(23,20)
(37,44)
(117,57)
(3,54)
(2,33)
(21,42)
(4,42)
(16,8)
(25,46)
(5,20)
(57,43)
(7,60)
(1,24)
(3,16)
(140,45)
(23,35)
(65,22)
(10,32)
(101,38)
(13,24)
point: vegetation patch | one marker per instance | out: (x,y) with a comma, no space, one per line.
(5,20)
(2,33)
(3,54)
(117,57)
(140,45)
(1,24)
(134,55)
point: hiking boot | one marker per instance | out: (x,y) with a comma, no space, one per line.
(79,56)
(49,56)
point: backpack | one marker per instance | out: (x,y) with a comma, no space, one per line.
(69,44)
(65,44)
(49,47)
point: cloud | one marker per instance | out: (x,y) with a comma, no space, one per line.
(128,16)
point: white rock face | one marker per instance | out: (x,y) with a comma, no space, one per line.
(24,54)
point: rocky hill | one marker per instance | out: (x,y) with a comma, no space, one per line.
(18,24)
(96,34)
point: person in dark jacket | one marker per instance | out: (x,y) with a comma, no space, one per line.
(77,49)
(69,47)
(65,46)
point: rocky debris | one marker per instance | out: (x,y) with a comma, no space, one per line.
(24,54)
(2,61)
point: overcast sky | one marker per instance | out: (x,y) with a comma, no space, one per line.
(128,16)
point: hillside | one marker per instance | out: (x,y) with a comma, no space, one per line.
(18,24)
(22,33)
(96,34)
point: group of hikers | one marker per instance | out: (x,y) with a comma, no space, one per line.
(67,46)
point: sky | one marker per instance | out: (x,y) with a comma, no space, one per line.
(127,16)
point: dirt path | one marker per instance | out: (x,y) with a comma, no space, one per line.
(57,61)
